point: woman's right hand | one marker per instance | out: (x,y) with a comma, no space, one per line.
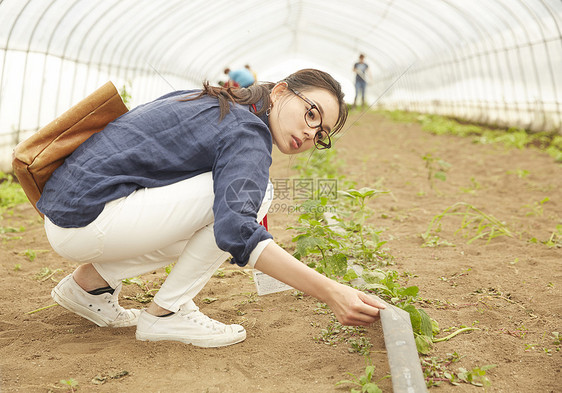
(353,307)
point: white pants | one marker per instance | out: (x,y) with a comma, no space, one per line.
(149,229)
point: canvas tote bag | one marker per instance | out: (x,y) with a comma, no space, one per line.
(36,158)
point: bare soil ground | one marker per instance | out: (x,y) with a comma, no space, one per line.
(510,288)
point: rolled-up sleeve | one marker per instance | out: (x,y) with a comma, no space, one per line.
(240,178)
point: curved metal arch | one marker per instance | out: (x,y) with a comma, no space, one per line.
(116,16)
(426,22)
(549,62)
(548,7)
(138,52)
(129,45)
(47,51)
(509,11)
(313,28)
(217,43)
(31,36)
(78,22)
(426,28)
(83,41)
(116,38)
(155,57)
(555,19)
(16,19)
(501,17)
(444,21)
(476,25)
(421,22)
(213,44)
(120,50)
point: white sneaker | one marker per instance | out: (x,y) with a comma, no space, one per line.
(103,310)
(189,327)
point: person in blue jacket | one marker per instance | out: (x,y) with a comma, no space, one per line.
(185,179)
(243,77)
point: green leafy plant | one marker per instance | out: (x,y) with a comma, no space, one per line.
(549,141)
(474,185)
(475,224)
(365,381)
(46,273)
(557,338)
(364,241)
(437,371)
(11,193)
(30,254)
(555,239)
(317,237)
(320,164)
(71,383)
(148,288)
(536,208)
(336,333)
(125,94)
(436,168)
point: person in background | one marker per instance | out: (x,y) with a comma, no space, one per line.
(184,179)
(361,70)
(242,77)
(247,66)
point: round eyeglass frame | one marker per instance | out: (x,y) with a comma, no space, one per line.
(318,143)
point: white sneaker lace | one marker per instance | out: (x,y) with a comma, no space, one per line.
(203,320)
(114,302)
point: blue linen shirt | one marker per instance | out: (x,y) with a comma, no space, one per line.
(163,142)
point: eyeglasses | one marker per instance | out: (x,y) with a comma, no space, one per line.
(313,119)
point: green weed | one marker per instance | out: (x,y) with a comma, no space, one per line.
(437,371)
(475,224)
(125,94)
(11,193)
(365,381)
(317,238)
(472,188)
(555,239)
(46,273)
(323,164)
(368,245)
(548,141)
(336,333)
(536,208)
(520,173)
(148,288)
(71,383)
(436,168)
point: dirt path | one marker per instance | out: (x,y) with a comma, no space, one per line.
(510,288)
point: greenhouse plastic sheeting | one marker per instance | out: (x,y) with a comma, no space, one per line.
(491,61)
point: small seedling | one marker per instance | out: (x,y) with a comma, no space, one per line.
(557,339)
(520,173)
(46,273)
(437,370)
(364,381)
(555,239)
(71,383)
(536,209)
(436,168)
(474,185)
(475,224)
(30,254)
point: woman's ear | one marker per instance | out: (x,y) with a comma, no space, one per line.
(278,90)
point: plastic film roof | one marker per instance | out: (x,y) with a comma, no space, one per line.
(487,60)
